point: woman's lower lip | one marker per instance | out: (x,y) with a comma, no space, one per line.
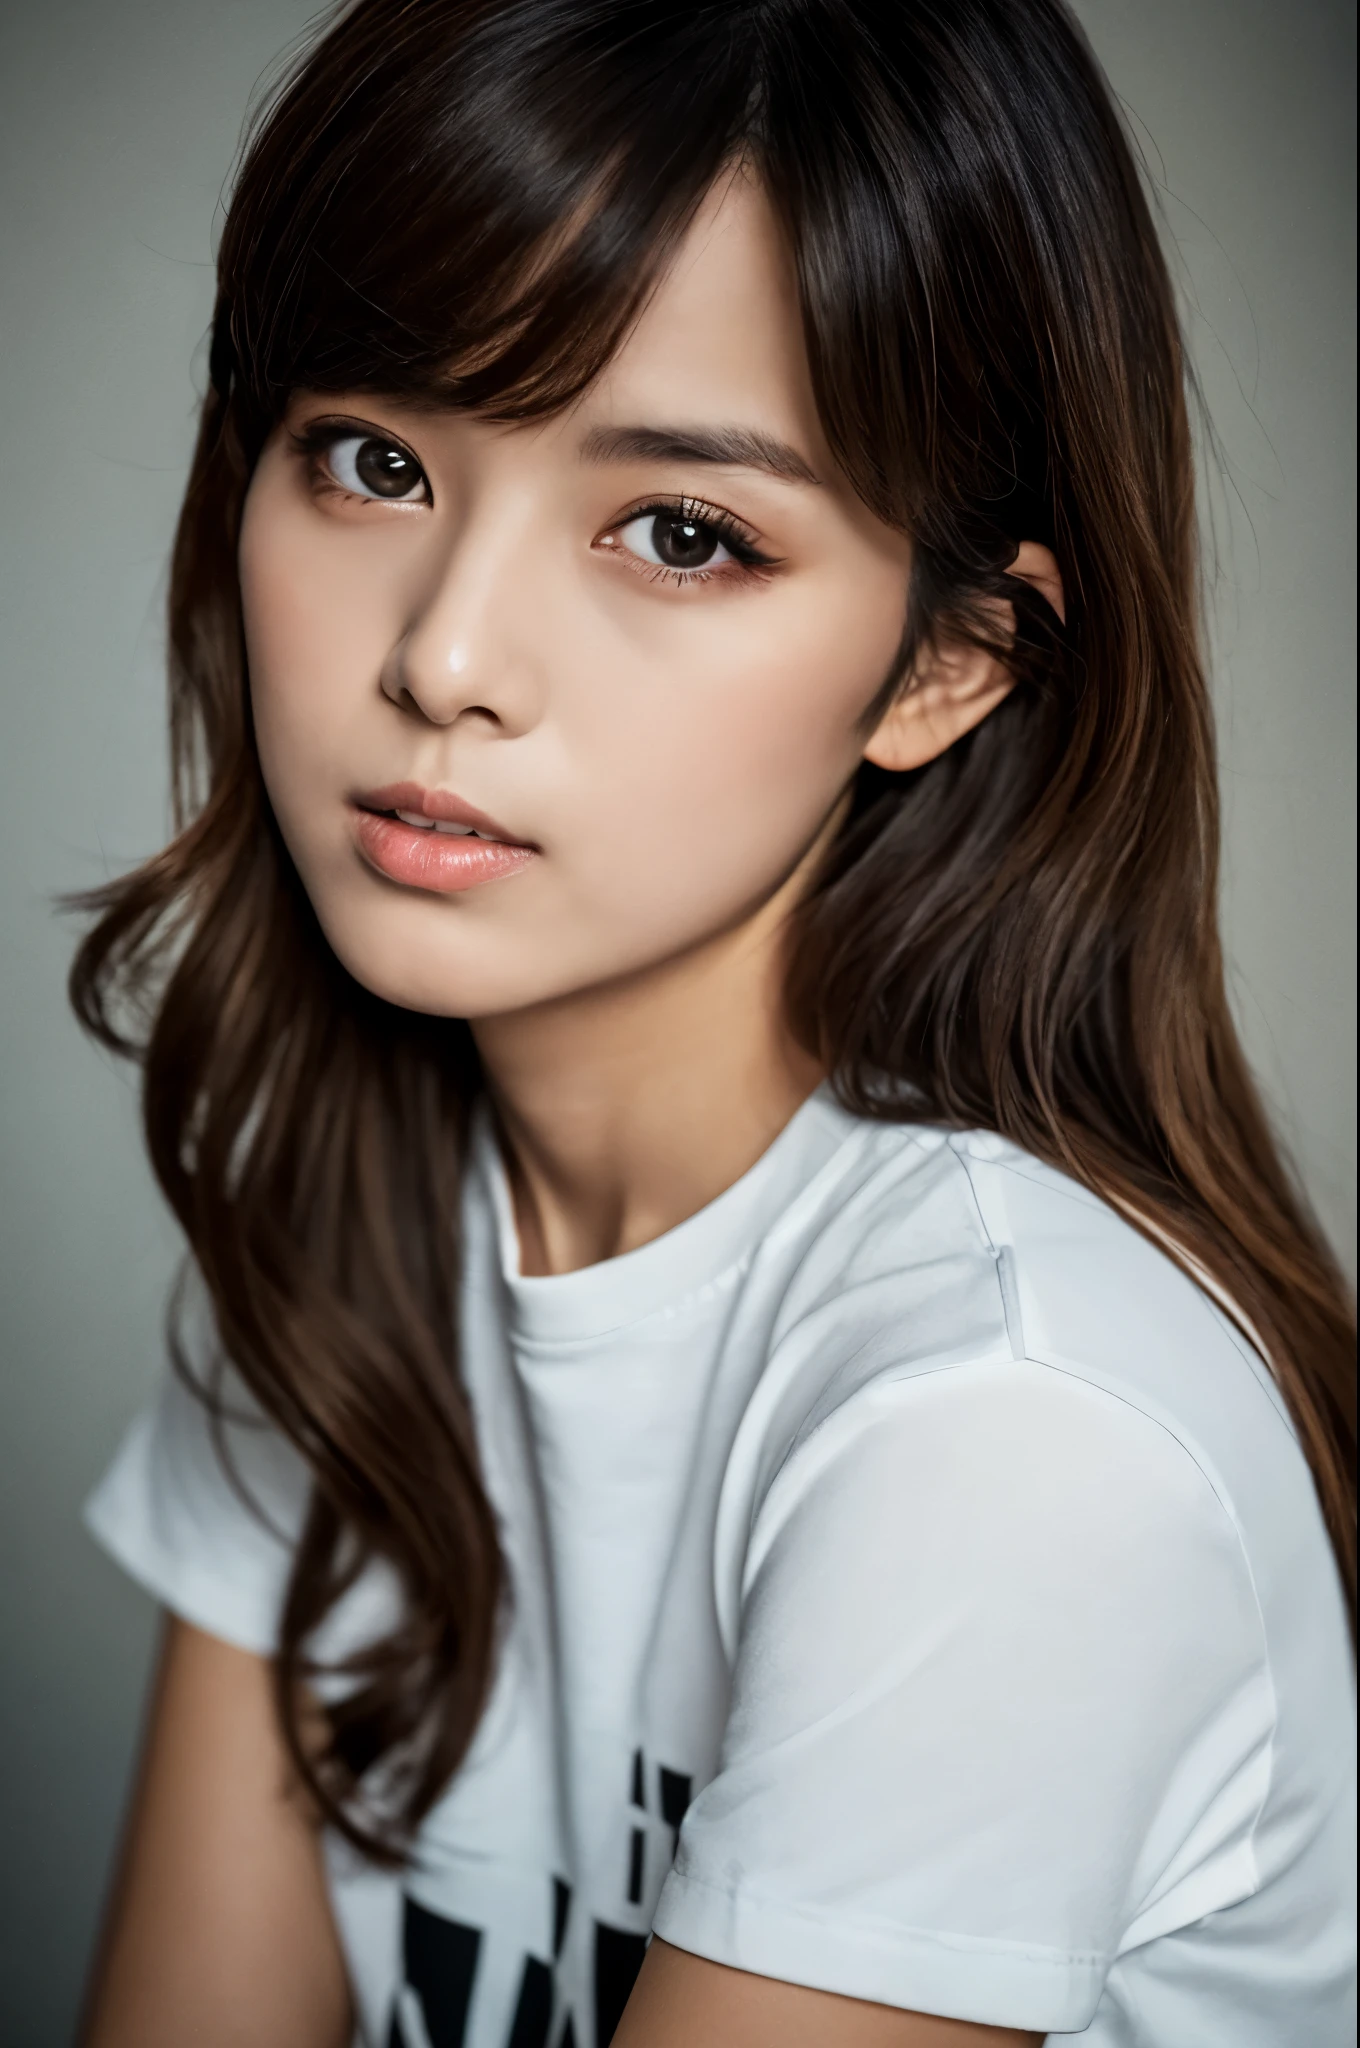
(442,861)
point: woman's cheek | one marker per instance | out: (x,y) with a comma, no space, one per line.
(768,729)
(713,780)
(314,648)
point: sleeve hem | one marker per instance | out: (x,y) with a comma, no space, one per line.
(195,1596)
(999,1984)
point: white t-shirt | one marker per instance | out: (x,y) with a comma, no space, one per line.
(918,1593)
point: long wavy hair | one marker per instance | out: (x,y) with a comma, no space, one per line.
(469,200)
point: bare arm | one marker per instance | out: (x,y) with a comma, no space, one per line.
(219,1930)
(683,2001)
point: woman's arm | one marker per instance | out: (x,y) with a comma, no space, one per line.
(682,2001)
(219,1931)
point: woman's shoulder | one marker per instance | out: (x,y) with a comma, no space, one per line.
(944,1246)
(925,1251)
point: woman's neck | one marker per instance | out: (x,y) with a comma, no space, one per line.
(625,1109)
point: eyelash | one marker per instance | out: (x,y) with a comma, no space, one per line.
(314,442)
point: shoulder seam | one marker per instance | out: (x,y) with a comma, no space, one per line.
(1003,1259)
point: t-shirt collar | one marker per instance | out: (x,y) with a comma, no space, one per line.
(664,1273)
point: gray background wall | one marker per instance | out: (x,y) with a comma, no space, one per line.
(118,121)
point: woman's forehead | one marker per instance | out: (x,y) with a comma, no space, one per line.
(720,338)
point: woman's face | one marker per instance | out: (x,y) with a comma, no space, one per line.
(631,646)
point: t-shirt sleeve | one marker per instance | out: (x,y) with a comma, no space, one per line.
(1000,1705)
(212,1540)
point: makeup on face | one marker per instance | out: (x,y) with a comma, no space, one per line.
(628,647)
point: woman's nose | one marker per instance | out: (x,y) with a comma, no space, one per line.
(469,650)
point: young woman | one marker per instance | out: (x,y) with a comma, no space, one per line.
(772,1464)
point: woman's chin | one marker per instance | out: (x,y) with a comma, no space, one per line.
(463,986)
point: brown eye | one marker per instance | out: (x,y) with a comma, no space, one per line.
(683,543)
(372,467)
(675,540)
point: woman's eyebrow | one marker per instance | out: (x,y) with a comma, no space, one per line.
(738,447)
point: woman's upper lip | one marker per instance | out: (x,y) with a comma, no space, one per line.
(439,804)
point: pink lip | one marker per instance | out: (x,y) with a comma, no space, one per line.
(424,859)
(433,803)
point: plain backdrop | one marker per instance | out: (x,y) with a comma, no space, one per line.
(118,124)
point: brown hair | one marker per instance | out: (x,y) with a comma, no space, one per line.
(469,199)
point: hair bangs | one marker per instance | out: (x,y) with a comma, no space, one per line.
(483,227)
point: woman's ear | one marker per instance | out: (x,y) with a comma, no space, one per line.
(1039,568)
(955,684)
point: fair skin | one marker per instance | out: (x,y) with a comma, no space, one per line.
(635,644)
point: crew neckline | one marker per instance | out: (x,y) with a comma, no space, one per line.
(661,1274)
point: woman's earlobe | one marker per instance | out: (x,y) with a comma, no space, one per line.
(955,686)
(951,689)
